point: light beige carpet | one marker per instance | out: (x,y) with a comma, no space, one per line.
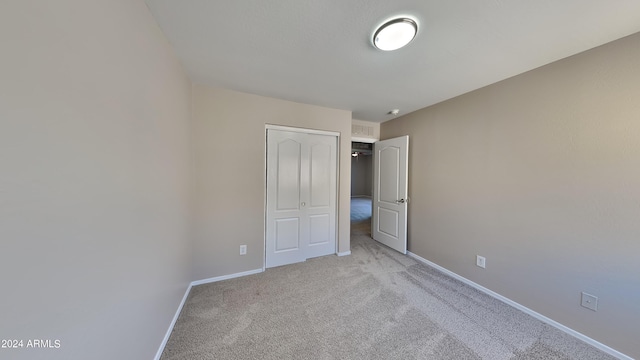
(374,304)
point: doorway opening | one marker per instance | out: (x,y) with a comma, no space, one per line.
(361,187)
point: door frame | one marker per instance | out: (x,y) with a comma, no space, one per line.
(337,199)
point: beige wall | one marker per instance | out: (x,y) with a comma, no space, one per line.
(94,179)
(540,174)
(362,175)
(229,132)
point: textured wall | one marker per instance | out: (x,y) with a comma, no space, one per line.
(94,179)
(367,124)
(230,174)
(540,173)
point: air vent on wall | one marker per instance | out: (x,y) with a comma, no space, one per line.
(360,130)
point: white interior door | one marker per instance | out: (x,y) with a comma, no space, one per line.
(390,192)
(301,196)
(321,205)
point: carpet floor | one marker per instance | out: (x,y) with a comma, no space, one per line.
(373,304)
(360,209)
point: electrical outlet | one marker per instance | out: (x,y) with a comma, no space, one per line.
(243,249)
(481,261)
(589,301)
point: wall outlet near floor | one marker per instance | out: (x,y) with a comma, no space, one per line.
(589,301)
(481,261)
(243,249)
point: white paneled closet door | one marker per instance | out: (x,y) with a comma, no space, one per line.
(301,196)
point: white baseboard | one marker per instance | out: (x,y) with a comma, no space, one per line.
(344,253)
(525,309)
(186,295)
(173,323)
(226,277)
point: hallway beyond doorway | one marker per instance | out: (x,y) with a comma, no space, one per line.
(360,209)
(361,216)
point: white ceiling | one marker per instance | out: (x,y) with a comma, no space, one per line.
(319,51)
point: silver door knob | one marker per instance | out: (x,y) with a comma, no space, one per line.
(303,204)
(401,201)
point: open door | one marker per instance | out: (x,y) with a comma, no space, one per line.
(390,192)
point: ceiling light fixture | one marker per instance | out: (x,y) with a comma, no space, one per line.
(395,33)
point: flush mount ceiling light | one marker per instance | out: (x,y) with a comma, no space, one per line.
(395,34)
